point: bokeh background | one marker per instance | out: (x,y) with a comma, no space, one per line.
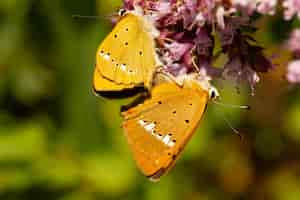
(59,141)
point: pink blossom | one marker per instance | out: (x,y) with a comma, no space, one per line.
(246,6)
(267,6)
(204,42)
(261,6)
(292,8)
(161,8)
(245,61)
(128,4)
(177,50)
(293,43)
(241,72)
(188,30)
(293,73)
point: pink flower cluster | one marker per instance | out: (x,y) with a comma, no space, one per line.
(291,7)
(194,33)
(293,71)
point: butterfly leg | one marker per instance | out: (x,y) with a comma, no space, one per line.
(195,64)
(168,75)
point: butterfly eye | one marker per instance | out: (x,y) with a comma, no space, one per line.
(213,93)
(122,12)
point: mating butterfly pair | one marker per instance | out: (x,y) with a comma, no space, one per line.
(157,129)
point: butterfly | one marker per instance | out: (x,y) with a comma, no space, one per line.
(126,60)
(158,129)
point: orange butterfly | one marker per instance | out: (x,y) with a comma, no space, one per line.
(158,129)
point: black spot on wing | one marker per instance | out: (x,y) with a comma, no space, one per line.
(174,157)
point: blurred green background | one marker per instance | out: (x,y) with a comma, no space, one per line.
(59,141)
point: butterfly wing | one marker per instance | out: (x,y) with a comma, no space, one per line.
(101,84)
(109,89)
(127,55)
(158,130)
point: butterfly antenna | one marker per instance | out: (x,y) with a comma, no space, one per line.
(237,132)
(195,64)
(247,107)
(85,17)
(169,76)
(94,17)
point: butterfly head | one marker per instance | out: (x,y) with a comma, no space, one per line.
(213,93)
(122,12)
(205,81)
(200,80)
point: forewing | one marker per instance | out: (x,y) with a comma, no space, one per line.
(127,55)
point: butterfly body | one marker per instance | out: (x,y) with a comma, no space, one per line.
(158,129)
(126,58)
